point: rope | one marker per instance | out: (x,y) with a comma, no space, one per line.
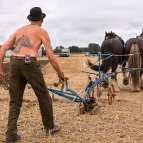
(83,69)
(114,55)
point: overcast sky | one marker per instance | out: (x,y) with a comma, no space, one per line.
(75,22)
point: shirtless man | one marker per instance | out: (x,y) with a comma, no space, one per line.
(25,68)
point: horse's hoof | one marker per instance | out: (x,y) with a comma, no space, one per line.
(125,81)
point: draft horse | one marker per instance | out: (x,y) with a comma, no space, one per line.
(112,44)
(134,57)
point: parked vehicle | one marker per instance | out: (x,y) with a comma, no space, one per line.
(65,52)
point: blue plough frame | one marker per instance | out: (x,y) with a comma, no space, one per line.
(72,95)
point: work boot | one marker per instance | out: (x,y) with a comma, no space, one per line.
(55,129)
(17,138)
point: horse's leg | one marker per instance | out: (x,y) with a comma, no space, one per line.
(114,78)
(125,77)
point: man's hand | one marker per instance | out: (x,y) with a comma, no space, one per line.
(62,77)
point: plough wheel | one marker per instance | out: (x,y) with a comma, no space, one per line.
(111,94)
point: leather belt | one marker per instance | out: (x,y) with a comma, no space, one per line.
(22,58)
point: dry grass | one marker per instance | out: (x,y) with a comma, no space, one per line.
(121,122)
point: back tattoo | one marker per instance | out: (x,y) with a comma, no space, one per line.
(22,41)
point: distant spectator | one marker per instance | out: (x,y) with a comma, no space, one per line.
(43,53)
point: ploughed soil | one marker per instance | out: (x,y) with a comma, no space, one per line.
(121,122)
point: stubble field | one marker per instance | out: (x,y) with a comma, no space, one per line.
(121,122)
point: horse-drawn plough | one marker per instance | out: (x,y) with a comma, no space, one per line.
(89,99)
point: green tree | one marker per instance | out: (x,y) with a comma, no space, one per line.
(74,49)
(93,47)
(58,49)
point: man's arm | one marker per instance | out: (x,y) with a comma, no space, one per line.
(3,49)
(51,57)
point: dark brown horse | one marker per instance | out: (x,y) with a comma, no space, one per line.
(113,44)
(134,57)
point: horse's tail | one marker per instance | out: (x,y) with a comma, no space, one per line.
(134,62)
(105,66)
(93,66)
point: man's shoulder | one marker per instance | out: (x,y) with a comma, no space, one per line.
(20,28)
(44,31)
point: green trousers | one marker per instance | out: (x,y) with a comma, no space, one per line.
(20,74)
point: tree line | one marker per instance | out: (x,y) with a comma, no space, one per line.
(92,47)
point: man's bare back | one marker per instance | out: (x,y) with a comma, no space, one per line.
(28,40)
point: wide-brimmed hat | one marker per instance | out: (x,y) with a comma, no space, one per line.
(36,14)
